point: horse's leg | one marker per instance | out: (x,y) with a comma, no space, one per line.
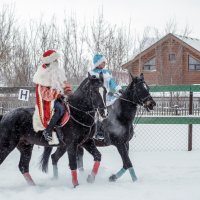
(80,153)
(7,144)
(127,146)
(25,157)
(5,150)
(91,148)
(72,152)
(122,149)
(55,158)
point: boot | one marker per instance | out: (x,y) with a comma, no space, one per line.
(47,135)
(99,131)
(48,131)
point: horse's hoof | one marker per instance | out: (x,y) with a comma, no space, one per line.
(134,179)
(81,169)
(54,178)
(75,185)
(113,178)
(90,178)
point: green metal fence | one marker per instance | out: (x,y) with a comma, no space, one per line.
(173,125)
(189,118)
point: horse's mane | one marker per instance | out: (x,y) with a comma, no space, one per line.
(80,87)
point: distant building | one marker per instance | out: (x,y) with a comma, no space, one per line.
(171,60)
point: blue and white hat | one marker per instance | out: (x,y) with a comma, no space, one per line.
(98,59)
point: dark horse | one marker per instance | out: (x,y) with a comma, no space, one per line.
(16,128)
(118,128)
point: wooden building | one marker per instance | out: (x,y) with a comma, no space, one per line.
(171,60)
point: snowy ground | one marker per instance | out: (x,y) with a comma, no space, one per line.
(161,176)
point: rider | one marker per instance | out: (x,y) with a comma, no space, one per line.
(51,85)
(110,84)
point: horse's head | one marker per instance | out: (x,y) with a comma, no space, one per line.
(98,94)
(141,93)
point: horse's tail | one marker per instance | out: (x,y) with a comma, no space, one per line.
(45,159)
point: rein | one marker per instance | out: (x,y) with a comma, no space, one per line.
(85,112)
(66,102)
(140,101)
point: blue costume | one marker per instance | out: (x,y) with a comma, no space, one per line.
(109,82)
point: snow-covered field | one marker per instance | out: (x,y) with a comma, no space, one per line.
(161,176)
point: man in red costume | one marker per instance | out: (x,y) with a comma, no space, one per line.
(51,84)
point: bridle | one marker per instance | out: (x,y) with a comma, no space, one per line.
(89,113)
(140,101)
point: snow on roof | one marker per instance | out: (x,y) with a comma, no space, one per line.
(149,41)
(193,42)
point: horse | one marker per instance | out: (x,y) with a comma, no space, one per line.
(16,127)
(118,129)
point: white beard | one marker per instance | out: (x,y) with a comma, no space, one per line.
(52,76)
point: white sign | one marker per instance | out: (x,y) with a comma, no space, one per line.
(23,95)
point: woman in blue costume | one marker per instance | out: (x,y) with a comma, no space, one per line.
(110,84)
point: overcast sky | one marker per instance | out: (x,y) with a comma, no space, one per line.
(141,13)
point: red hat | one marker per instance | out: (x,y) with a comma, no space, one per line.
(49,56)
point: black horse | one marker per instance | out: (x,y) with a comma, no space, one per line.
(118,128)
(16,128)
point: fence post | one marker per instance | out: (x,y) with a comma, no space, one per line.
(190,125)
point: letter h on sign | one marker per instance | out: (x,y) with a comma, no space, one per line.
(23,95)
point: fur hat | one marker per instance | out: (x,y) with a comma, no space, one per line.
(49,56)
(98,59)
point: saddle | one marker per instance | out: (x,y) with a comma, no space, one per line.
(57,134)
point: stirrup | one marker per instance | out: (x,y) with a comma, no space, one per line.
(99,136)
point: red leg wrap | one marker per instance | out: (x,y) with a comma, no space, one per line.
(95,168)
(74,178)
(28,178)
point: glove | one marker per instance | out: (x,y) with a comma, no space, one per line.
(59,96)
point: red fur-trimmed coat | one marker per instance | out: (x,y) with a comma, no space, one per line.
(44,108)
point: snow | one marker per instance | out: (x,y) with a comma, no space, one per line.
(193,42)
(166,175)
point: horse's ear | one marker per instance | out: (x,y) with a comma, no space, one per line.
(132,77)
(142,76)
(89,76)
(101,76)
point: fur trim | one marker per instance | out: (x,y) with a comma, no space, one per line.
(49,59)
(37,124)
(105,75)
(118,88)
(103,59)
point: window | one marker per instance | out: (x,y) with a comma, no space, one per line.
(150,65)
(194,65)
(172,57)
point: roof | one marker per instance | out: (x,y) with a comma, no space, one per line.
(193,42)
(152,42)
